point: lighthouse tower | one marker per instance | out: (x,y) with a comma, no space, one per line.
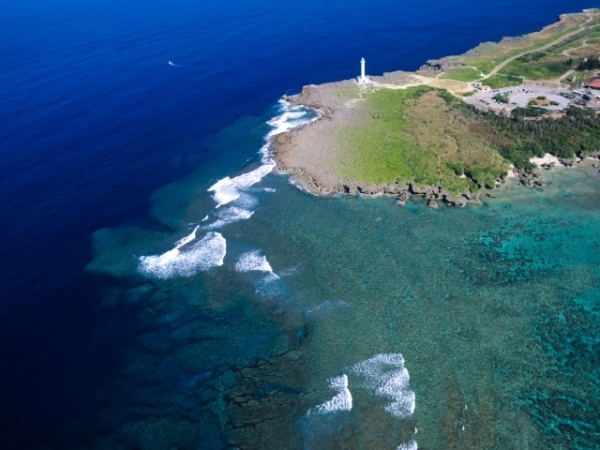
(363,78)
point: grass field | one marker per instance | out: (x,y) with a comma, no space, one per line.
(463,74)
(419,135)
(537,66)
(488,55)
(376,148)
(501,81)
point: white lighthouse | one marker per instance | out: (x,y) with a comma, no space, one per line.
(363,77)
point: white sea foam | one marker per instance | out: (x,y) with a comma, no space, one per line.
(230,215)
(228,189)
(291,118)
(196,257)
(387,377)
(342,401)
(327,307)
(188,238)
(253,261)
(412,445)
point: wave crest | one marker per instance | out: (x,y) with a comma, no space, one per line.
(198,257)
(386,376)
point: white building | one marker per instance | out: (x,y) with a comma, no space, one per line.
(363,78)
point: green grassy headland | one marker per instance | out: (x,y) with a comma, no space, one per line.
(419,135)
(428,136)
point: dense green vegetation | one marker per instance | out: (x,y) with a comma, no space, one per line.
(528,111)
(501,81)
(501,98)
(518,138)
(538,66)
(429,136)
(591,63)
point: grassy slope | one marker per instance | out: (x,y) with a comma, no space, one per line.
(537,66)
(376,148)
(415,135)
(462,74)
(552,63)
(500,81)
(487,55)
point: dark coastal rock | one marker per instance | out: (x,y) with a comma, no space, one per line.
(455,201)
(525,177)
(566,162)
(470,195)
(426,191)
(595,155)
(432,193)
(403,198)
(263,397)
(311,98)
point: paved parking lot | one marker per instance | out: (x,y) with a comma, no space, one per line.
(519,97)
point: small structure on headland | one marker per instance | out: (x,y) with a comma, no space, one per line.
(363,78)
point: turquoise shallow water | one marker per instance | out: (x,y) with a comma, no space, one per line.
(350,322)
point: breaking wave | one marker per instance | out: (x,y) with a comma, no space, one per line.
(211,249)
(230,215)
(342,401)
(253,261)
(386,376)
(229,189)
(198,257)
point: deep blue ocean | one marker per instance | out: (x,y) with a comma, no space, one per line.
(118,116)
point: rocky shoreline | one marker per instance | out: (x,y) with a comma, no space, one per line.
(307,153)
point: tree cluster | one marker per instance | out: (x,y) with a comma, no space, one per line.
(591,63)
(526,134)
